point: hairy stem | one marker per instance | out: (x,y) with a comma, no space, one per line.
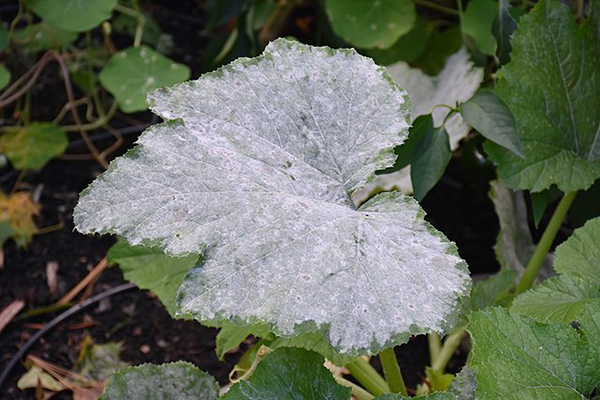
(435,346)
(368,376)
(392,372)
(450,345)
(538,257)
(357,391)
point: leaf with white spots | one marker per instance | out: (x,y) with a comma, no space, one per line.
(258,169)
(371,23)
(457,82)
(131,73)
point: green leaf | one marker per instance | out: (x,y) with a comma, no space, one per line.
(408,48)
(231,335)
(514,246)
(441,45)
(559,299)
(580,254)
(34,145)
(149,268)
(4,37)
(98,361)
(503,28)
(39,37)
(431,396)
(541,200)
(314,342)
(518,358)
(4,76)
(248,171)
(132,72)
(590,325)
(477,21)
(489,115)
(173,381)
(289,374)
(551,87)
(431,157)
(464,384)
(492,291)
(371,23)
(72,15)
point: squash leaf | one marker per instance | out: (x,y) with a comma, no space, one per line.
(258,169)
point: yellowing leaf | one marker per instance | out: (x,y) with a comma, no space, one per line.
(16,218)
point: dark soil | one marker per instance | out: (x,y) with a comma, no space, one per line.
(458,206)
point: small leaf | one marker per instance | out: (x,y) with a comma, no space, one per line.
(369,24)
(503,28)
(150,268)
(477,21)
(16,217)
(551,86)
(438,380)
(489,115)
(34,145)
(132,72)
(73,15)
(289,374)
(41,36)
(37,376)
(580,254)
(4,37)
(4,77)
(408,48)
(559,299)
(516,357)
(231,336)
(98,361)
(431,157)
(492,291)
(173,381)
(258,168)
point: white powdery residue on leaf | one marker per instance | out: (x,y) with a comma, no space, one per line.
(258,168)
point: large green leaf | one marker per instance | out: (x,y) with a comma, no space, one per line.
(408,48)
(73,15)
(259,168)
(132,72)
(518,358)
(503,28)
(551,86)
(34,145)
(4,76)
(564,298)
(289,374)
(371,23)
(477,21)
(38,37)
(152,269)
(174,381)
(580,254)
(560,299)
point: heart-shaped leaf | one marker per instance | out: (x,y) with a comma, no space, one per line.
(132,72)
(290,374)
(174,381)
(34,145)
(259,168)
(73,15)
(371,23)
(551,86)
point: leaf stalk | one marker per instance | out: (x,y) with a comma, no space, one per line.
(392,372)
(367,376)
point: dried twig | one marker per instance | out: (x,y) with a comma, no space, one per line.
(91,276)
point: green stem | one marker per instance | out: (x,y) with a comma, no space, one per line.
(357,391)
(392,372)
(368,376)
(96,124)
(536,261)
(450,345)
(435,346)
(435,6)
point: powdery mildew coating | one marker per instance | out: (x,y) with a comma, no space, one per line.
(259,169)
